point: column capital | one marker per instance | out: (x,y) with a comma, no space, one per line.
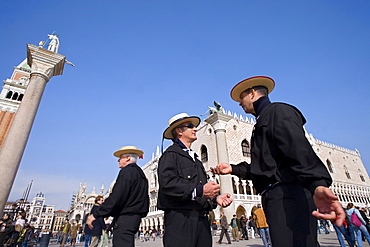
(44,62)
(218,120)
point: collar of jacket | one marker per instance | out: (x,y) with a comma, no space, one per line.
(177,146)
(260,104)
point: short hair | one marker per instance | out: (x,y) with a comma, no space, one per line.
(174,133)
(133,157)
(98,198)
(350,205)
(260,89)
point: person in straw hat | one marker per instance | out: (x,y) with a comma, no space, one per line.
(129,200)
(184,193)
(285,171)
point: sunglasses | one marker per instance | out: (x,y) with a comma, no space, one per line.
(190,125)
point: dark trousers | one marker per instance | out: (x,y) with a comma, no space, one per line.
(186,229)
(224,231)
(288,209)
(124,230)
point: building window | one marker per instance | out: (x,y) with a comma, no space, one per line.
(347,172)
(15,96)
(361,176)
(9,95)
(203,154)
(246,150)
(329,165)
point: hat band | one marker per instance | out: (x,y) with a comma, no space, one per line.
(177,120)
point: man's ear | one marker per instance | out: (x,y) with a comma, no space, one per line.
(178,132)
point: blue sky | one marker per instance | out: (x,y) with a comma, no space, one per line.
(138,63)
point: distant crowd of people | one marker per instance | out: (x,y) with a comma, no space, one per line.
(15,231)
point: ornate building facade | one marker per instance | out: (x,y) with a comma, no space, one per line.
(230,134)
(82,203)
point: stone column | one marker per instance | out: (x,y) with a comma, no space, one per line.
(219,121)
(44,65)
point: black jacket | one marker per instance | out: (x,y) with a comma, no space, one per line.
(98,224)
(178,175)
(129,194)
(281,152)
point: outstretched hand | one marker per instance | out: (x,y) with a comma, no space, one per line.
(221,168)
(327,204)
(224,200)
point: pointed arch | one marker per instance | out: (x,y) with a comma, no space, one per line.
(347,172)
(246,150)
(204,154)
(329,165)
(361,176)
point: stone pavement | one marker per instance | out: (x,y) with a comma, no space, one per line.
(325,240)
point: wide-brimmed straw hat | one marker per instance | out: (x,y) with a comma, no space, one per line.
(178,120)
(128,150)
(249,83)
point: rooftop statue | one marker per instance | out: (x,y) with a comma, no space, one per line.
(217,109)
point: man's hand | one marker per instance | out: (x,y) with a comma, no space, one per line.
(222,168)
(327,205)
(211,190)
(224,200)
(90,220)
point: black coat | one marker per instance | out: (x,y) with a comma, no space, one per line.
(129,194)
(178,175)
(281,152)
(98,224)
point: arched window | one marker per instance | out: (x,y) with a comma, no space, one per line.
(329,165)
(203,154)
(15,96)
(347,172)
(20,97)
(241,188)
(246,150)
(361,176)
(234,186)
(9,95)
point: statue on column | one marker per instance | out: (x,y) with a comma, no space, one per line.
(54,43)
(218,108)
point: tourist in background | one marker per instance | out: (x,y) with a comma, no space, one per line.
(224,229)
(243,226)
(359,230)
(235,227)
(261,224)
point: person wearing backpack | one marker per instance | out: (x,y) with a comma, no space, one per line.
(360,228)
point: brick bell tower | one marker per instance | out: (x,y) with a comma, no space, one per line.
(11,96)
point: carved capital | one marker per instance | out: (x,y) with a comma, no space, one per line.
(44,62)
(218,120)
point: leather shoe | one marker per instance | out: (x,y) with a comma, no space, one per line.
(218,242)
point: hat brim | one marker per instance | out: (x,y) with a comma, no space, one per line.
(128,151)
(167,134)
(239,88)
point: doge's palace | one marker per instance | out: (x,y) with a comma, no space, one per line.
(350,178)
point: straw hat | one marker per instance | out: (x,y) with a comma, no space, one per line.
(249,83)
(128,150)
(178,120)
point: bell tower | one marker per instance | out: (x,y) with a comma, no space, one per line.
(11,96)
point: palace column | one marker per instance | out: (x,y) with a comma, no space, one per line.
(44,65)
(219,121)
